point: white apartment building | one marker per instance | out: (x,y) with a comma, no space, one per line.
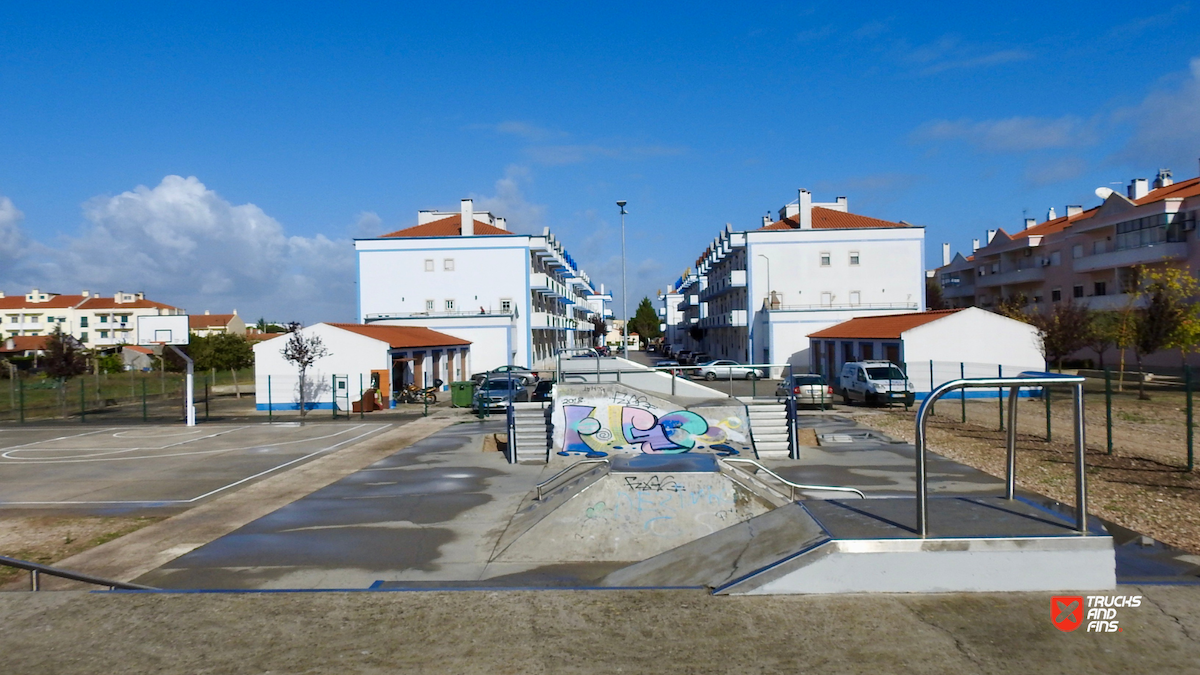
(518,298)
(96,322)
(756,295)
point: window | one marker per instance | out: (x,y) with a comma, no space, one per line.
(1077,291)
(1097,247)
(449,305)
(83,336)
(1100,288)
(103,318)
(103,334)
(826,299)
(855,297)
(995,268)
(448,264)
(1077,251)
(853,257)
(1056,258)
(429,304)
(505,305)
(34,319)
(825,259)
(1148,231)
(1056,295)
(429,264)
(83,322)
(12,319)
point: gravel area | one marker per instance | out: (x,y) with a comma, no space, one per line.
(1142,486)
(48,539)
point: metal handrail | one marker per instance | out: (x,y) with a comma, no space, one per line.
(38,569)
(556,476)
(1014,384)
(795,486)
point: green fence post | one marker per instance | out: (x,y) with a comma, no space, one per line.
(425,397)
(82,399)
(361,392)
(962,393)
(145,415)
(333,393)
(270,405)
(21,395)
(1000,373)
(1108,408)
(1046,397)
(206,390)
(1187,378)
(932,386)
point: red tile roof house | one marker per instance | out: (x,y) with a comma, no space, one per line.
(96,322)
(361,356)
(949,343)
(206,324)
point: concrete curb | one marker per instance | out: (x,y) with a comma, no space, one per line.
(137,553)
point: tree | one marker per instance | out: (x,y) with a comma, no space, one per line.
(599,330)
(64,359)
(1106,332)
(645,321)
(1064,329)
(222,351)
(303,351)
(1014,307)
(1167,317)
(933,295)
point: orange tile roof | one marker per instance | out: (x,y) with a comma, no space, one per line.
(403,337)
(1056,225)
(55,302)
(201,321)
(24,343)
(96,302)
(446,227)
(828,219)
(139,349)
(1180,190)
(888,326)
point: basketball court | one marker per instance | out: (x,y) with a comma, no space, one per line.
(167,468)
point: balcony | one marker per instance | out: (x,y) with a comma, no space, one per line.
(1142,255)
(722,285)
(958,291)
(544,283)
(1028,275)
(547,321)
(1110,303)
(841,307)
(733,319)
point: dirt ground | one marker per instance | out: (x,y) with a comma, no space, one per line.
(48,539)
(1142,485)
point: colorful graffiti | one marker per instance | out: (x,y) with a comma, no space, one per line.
(638,429)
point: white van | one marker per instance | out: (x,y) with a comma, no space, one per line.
(874,382)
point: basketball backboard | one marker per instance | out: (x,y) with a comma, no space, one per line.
(162,330)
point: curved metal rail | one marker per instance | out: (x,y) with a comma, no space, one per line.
(38,569)
(796,486)
(1014,384)
(551,479)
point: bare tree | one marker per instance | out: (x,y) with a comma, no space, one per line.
(1063,330)
(302,351)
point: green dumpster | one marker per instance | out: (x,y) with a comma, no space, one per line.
(461,393)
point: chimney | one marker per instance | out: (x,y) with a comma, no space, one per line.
(468,218)
(86,293)
(843,205)
(206,313)
(945,254)
(140,295)
(1137,188)
(1074,210)
(974,245)
(502,223)
(1030,222)
(766,219)
(235,311)
(1050,214)
(991,234)
(805,204)
(117,297)
(1,294)
(1163,179)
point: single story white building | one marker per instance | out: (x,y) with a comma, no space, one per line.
(932,347)
(360,357)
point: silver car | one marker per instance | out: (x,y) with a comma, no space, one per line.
(498,393)
(519,373)
(725,369)
(809,389)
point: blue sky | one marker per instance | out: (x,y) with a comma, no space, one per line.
(221,156)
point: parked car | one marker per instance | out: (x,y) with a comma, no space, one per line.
(498,393)
(682,356)
(544,391)
(809,389)
(697,358)
(669,363)
(590,354)
(523,375)
(725,369)
(875,382)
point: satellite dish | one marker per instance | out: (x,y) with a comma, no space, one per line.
(1103,192)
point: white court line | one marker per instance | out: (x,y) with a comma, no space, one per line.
(102,457)
(60,438)
(159,502)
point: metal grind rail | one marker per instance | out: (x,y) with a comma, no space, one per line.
(1014,385)
(542,485)
(37,569)
(795,486)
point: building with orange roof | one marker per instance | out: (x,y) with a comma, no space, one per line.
(96,322)
(519,298)
(360,357)
(207,324)
(755,294)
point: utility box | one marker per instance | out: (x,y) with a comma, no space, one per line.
(461,394)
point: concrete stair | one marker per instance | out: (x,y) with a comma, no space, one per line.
(769,428)
(531,435)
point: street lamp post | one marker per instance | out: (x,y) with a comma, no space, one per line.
(624,290)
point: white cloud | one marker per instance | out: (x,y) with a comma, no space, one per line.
(367,224)
(950,53)
(1013,134)
(509,202)
(183,244)
(12,238)
(1166,125)
(557,155)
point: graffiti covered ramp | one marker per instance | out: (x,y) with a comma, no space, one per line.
(644,505)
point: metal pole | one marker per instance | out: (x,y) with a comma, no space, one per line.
(932,386)
(1010,469)
(624,291)
(1000,373)
(962,397)
(21,393)
(1108,407)
(82,400)
(206,400)
(361,392)
(333,394)
(1191,456)
(1046,396)
(425,395)
(189,384)
(270,405)
(145,414)
(1080,463)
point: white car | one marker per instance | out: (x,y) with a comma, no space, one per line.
(725,369)
(875,382)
